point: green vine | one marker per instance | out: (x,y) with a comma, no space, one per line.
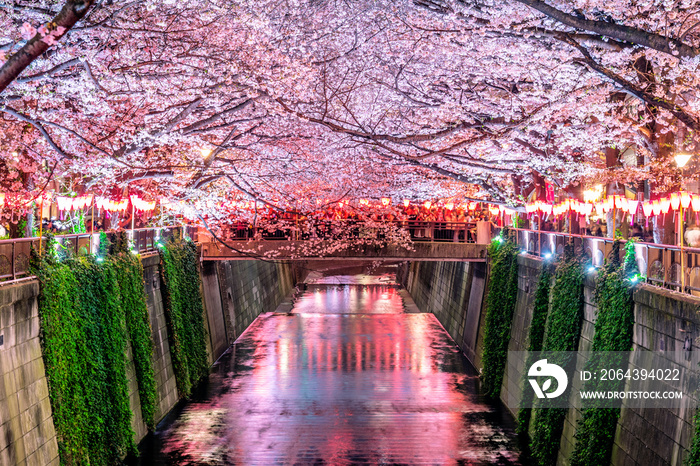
(131,288)
(536,339)
(84,342)
(693,458)
(500,305)
(613,332)
(184,313)
(562,333)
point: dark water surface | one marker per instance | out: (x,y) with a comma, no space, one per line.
(346,378)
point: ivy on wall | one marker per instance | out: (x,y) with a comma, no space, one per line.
(535,339)
(693,458)
(613,332)
(84,343)
(500,305)
(138,324)
(563,330)
(184,313)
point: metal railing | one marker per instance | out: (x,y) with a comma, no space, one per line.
(15,253)
(463,232)
(660,263)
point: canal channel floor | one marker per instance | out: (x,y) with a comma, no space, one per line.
(347,377)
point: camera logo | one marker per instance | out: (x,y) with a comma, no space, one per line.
(542,369)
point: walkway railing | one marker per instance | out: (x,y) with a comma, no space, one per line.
(462,232)
(660,263)
(15,253)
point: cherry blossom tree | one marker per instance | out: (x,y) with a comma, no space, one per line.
(290,102)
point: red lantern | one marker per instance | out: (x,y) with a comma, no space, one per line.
(406,202)
(427,204)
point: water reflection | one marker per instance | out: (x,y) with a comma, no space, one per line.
(347,378)
(350,299)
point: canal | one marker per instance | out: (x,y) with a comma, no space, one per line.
(349,376)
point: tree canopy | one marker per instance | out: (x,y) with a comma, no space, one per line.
(323,99)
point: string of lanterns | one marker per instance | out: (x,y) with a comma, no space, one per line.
(65,203)
(676,201)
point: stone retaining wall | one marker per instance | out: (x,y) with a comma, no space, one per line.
(234,295)
(27,434)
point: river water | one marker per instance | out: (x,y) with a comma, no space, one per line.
(347,377)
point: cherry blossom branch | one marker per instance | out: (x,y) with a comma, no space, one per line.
(71,13)
(617,31)
(37,124)
(683,116)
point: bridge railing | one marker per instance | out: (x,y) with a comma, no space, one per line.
(15,253)
(462,232)
(663,265)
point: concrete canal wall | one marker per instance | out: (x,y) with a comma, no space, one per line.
(234,294)
(664,321)
(27,434)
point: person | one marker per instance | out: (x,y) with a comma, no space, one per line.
(597,230)
(636,231)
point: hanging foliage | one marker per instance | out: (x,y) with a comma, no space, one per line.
(536,338)
(613,332)
(84,344)
(131,287)
(500,304)
(184,312)
(562,333)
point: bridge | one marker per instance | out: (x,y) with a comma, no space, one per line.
(331,250)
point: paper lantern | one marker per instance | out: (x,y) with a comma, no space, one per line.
(2,199)
(656,207)
(647,210)
(632,206)
(675,201)
(427,204)
(665,204)
(64,203)
(386,201)
(586,209)
(472,205)
(140,204)
(406,202)
(449,206)
(695,202)
(364,202)
(546,208)
(530,208)
(685,199)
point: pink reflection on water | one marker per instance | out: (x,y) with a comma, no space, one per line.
(350,299)
(342,389)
